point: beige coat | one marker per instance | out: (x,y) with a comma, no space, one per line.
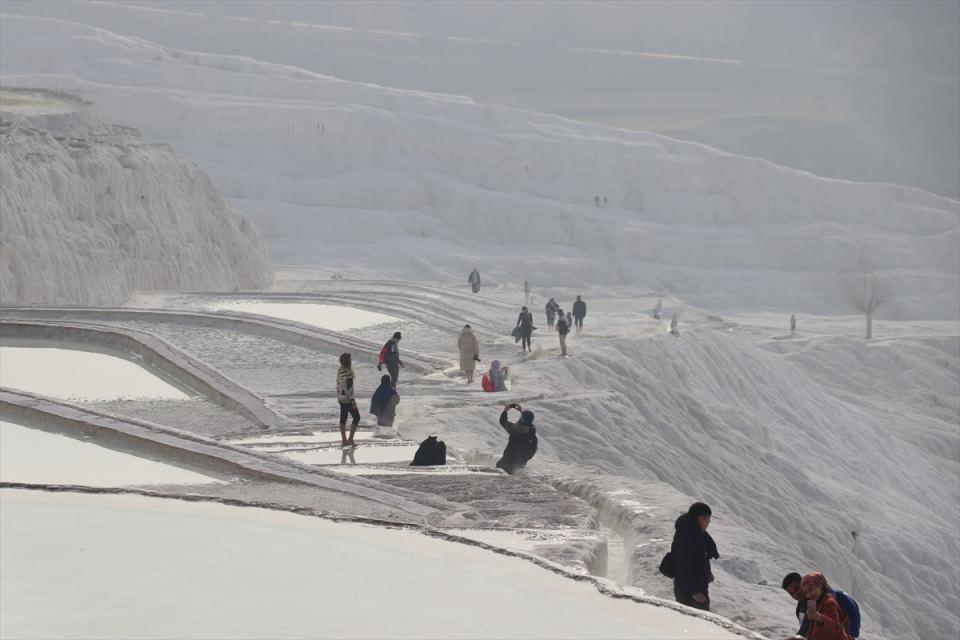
(469,350)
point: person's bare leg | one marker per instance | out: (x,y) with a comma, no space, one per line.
(343,434)
(353,430)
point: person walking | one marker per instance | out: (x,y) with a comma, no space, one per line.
(384,402)
(563,328)
(827,621)
(551,310)
(793,323)
(525,324)
(390,357)
(474,280)
(579,313)
(469,351)
(522,445)
(526,292)
(674,329)
(692,549)
(347,400)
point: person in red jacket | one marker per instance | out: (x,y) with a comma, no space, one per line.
(827,619)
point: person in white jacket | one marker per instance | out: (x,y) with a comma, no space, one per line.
(469,351)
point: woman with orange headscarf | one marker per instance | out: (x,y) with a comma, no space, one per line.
(827,619)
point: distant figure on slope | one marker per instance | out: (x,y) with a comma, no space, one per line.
(390,357)
(551,310)
(827,620)
(526,292)
(522,445)
(563,328)
(384,402)
(474,280)
(692,550)
(658,310)
(525,324)
(674,331)
(347,400)
(579,313)
(596,200)
(469,351)
(793,324)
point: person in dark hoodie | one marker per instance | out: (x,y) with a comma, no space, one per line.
(522,445)
(384,402)
(692,550)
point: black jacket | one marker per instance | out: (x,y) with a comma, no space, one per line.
(692,549)
(525,321)
(521,447)
(579,309)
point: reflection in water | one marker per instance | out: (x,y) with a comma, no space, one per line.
(347,454)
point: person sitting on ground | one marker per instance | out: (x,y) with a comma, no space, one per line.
(522,445)
(346,399)
(495,377)
(827,621)
(791,584)
(384,402)
(469,351)
(692,549)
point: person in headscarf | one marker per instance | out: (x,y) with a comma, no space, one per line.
(384,402)
(469,351)
(525,324)
(692,549)
(496,376)
(827,621)
(522,445)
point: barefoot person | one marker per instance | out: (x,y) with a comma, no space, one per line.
(346,398)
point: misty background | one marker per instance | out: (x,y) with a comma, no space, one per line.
(864,91)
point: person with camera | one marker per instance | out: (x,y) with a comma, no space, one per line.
(522,445)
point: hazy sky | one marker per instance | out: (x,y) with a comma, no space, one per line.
(865,90)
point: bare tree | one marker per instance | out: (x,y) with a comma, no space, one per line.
(867,298)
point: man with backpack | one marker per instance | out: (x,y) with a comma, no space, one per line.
(522,445)
(792,585)
(390,356)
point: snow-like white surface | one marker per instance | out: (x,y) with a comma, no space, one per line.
(365,453)
(346,175)
(75,565)
(92,213)
(38,457)
(71,374)
(326,316)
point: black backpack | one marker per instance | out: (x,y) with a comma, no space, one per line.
(668,566)
(431,452)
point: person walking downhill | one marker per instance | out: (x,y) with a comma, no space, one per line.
(384,402)
(469,351)
(827,621)
(522,445)
(390,357)
(563,328)
(551,310)
(525,324)
(579,313)
(347,400)
(474,280)
(692,549)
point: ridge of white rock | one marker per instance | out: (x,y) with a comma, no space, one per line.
(348,174)
(90,212)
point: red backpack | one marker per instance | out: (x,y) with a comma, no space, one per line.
(485,383)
